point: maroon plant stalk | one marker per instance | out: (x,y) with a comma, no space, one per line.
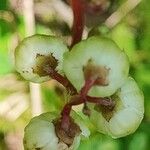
(61,79)
(83,98)
(78,8)
(102,101)
(88,84)
(65,82)
(77,100)
(65,120)
(78,21)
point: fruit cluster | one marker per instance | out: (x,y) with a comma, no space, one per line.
(96,73)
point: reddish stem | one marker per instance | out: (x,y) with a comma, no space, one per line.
(65,123)
(77,100)
(65,120)
(78,8)
(102,101)
(78,22)
(61,79)
(88,84)
(65,82)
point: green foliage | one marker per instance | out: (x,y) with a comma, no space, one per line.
(124,36)
(5,62)
(98,141)
(51,99)
(3,4)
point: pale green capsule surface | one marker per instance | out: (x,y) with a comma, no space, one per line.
(127,114)
(36,52)
(102,53)
(40,133)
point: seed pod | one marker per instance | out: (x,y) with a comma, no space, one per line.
(37,55)
(99,57)
(127,114)
(41,133)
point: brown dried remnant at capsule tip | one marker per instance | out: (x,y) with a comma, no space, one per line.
(106,110)
(67,136)
(100,73)
(43,62)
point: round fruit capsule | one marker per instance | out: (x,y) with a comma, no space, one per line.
(42,133)
(37,53)
(127,114)
(97,58)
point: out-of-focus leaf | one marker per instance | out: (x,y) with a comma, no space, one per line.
(5,27)
(5,63)
(98,141)
(51,100)
(142,76)
(139,142)
(144,29)
(40,29)
(21,27)
(3,4)
(123,35)
(143,73)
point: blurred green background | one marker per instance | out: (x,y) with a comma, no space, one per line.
(131,32)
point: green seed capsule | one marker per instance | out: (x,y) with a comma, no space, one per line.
(99,57)
(40,133)
(127,115)
(37,53)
